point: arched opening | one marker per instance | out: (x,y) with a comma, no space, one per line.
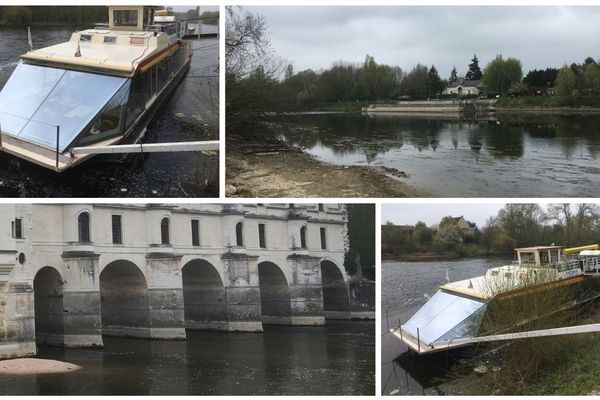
(48,307)
(336,302)
(204,296)
(164,231)
(239,234)
(83,223)
(274,295)
(303,237)
(124,300)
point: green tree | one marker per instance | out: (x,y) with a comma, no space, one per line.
(415,83)
(453,76)
(474,72)
(500,74)
(361,239)
(591,79)
(565,81)
(434,82)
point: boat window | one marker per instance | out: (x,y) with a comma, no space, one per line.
(444,317)
(85,38)
(23,94)
(527,258)
(109,120)
(110,39)
(125,18)
(36,99)
(138,97)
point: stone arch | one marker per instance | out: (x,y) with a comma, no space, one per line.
(204,296)
(124,300)
(275,302)
(336,298)
(48,307)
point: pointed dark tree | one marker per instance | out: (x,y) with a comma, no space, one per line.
(434,81)
(474,72)
(453,76)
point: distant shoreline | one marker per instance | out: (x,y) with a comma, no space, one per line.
(438,257)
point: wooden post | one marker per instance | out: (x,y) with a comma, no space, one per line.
(418,339)
(57,145)
(0,135)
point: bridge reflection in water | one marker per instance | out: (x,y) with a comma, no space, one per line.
(282,360)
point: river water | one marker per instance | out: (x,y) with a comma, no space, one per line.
(405,287)
(501,156)
(191,114)
(338,358)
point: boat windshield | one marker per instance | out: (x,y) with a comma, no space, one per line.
(36,99)
(445,317)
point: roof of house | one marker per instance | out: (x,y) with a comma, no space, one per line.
(478,83)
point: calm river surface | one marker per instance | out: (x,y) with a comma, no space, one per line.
(405,287)
(185,174)
(336,359)
(502,156)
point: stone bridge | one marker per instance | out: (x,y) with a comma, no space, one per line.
(71,273)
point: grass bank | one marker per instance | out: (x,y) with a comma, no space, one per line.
(570,367)
(557,104)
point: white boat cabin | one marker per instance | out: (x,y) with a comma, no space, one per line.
(92,89)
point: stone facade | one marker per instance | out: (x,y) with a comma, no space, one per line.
(138,270)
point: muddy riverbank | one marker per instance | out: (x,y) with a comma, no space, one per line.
(282,171)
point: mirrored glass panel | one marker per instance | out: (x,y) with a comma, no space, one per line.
(76,99)
(110,120)
(23,93)
(442,313)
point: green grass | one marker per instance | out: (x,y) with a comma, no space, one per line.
(548,101)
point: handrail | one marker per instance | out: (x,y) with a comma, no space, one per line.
(57,144)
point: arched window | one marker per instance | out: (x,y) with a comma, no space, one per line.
(303,237)
(83,222)
(164,231)
(239,234)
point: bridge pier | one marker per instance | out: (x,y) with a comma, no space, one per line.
(242,292)
(306,293)
(17,332)
(82,323)
(165,296)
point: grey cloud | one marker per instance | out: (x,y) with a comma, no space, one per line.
(315,37)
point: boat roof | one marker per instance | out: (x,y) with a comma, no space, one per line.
(476,288)
(113,52)
(537,248)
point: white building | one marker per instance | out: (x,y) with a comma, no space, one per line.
(465,87)
(83,270)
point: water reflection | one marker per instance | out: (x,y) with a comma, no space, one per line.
(502,155)
(336,359)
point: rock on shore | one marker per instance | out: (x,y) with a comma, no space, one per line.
(35,366)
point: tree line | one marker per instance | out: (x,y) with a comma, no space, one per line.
(260,83)
(515,225)
(38,15)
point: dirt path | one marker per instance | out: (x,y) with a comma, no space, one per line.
(279,171)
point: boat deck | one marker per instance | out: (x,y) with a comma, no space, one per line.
(122,56)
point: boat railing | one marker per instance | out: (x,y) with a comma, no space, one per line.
(101,25)
(56,148)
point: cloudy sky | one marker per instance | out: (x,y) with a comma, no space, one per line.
(315,37)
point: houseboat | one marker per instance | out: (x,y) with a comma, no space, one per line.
(453,317)
(100,88)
